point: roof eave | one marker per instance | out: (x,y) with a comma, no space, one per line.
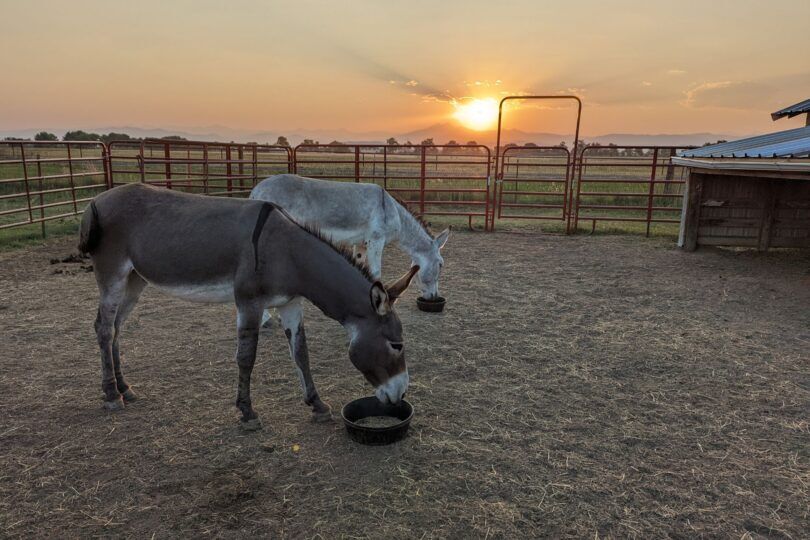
(749,164)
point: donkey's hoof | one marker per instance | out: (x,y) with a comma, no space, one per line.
(254,424)
(129,395)
(320,417)
(115,405)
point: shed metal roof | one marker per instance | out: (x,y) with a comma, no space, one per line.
(744,165)
(793,110)
(793,143)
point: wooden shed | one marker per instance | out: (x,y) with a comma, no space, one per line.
(753,192)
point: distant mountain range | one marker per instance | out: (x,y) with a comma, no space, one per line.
(440,133)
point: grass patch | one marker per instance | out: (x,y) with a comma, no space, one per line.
(31,235)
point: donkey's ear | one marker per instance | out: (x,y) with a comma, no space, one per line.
(441,238)
(379,299)
(396,288)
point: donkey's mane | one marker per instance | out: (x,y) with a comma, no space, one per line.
(419,219)
(341,249)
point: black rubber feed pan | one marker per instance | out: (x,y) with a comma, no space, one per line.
(371,406)
(434,305)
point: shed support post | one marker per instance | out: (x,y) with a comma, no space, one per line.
(690,217)
(768,208)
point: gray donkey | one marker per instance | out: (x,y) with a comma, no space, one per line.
(361,214)
(210,249)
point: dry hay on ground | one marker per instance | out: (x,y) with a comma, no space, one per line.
(574,386)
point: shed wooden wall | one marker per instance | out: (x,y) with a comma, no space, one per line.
(744,210)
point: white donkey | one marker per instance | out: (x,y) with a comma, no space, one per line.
(363,215)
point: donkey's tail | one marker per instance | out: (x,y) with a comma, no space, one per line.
(90,231)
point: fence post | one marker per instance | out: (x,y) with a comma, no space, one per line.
(72,183)
(422,183)
(357,163)
(106,160)
(493,184)
(228,170)
(41,199)
(498,188)
(205,167)
(167,154)
(141,165)
(577,165)
(241,167)
(486,194)
(566,204)
(573,205)
(652,190)
(256,164)
(25,179)
(385,168)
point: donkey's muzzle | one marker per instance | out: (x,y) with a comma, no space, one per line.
(393,389)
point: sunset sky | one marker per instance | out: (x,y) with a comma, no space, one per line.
(393,67)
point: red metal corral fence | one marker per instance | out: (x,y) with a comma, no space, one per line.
(628,184)
(212,168)
(534,183)
(44,181)
(433,180)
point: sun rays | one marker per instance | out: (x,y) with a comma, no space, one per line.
(478,114)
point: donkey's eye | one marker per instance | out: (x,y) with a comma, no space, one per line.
(396,346)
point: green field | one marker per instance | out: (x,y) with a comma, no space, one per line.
(56,190)
(455,184)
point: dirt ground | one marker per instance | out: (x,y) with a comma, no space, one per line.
(574,386)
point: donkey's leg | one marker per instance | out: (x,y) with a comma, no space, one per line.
(292,319)
(112,290)
(267,319)
(248,319)
(374,253)
(135,286)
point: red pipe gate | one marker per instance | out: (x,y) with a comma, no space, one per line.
(597,183)
(198,167)
(555,193)
(603,184)
(629,184)
(43,181)
(437,180)
(534,183)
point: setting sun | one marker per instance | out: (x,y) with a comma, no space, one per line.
(477,114)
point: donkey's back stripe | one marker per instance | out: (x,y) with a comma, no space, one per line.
(264,213)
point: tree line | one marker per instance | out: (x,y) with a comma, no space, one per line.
(451,147)
(395,147)
(79,135)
